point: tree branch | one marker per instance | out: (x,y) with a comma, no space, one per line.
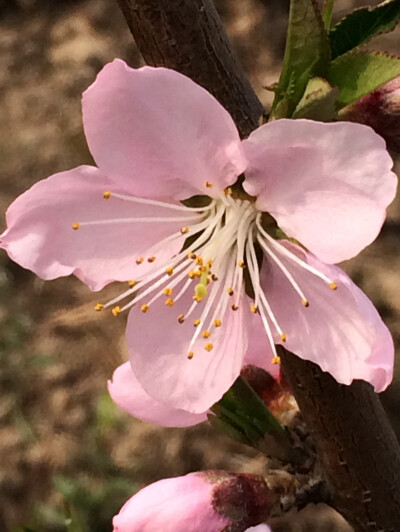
(358,450)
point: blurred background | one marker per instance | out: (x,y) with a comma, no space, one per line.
(65,451)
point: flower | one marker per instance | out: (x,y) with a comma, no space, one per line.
(381,111)
(212,500)
(225,243)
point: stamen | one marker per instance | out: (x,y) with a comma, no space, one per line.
(107,194)
(276,360)
(167,291)
(116,310)
(190,355)
(170,302)
(98,307)
(209,347)
(283,268)
(76,226)
(144,308)
(241,264)
(208,184)
(305,303)
(169,271)
(283,337)
(156,203)
(151,259)
(230,291)
(132,283)
(185,230)
(293,257)
(254,309)
(206,334)
(234,307)
(181,318)
(228,191)
(196,323)
(217,323)
(140,260)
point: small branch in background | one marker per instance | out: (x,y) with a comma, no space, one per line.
(357,446)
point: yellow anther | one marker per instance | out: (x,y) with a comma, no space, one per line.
(181,318)
(208,184)
(144,308)
(184,230)
(283,337)
(305,303)
(206,334)
(276,360)
(198,299)
(132,283)
(209,263)
(214,277)
(191,255)
(217,323)
(167,291)
(203,269)
(209,347)
(169,270)
(140,260)
(254,309)
(192,274)
(196,323)
(241,264)
(190,355)
(98,307)
(333,286)
(151,259)
(116,311)
(234,307)
(170,302)
(76,226)
(107,194)
(228,191)
(230,291)
(199,261)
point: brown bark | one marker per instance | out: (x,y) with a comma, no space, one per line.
(357,446)
(355,442)
(188,36)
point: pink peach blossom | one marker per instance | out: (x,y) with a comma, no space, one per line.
(210,501)
(213,276)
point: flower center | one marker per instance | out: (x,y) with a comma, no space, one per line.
(217,265)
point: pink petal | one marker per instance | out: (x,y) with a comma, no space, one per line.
(158,133)
(327,185)
(40,235)
(159,346)
(171,505)
(259,352)
(259,528)
(341,331)
(127,393)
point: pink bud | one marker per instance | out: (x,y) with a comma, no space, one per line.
(208,501)
(381,111)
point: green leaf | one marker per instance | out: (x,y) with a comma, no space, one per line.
(356,74)
(319,101)
(243,416)
(327,12)
(363,24)
(307,55)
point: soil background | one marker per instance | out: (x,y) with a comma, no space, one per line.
(65,452)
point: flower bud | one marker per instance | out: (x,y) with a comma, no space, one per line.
(212,500)
(381,111)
